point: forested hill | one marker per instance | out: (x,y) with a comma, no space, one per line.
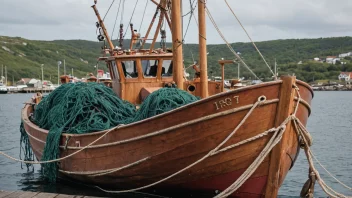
(23,57)
(287,53)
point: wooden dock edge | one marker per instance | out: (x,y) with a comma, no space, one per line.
(29,194)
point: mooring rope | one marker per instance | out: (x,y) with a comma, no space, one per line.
(91,145)
(275,139)
(278,132)
(304,134)
(105,172)
(63,158)
(196,162)
(343,184)
(327,189)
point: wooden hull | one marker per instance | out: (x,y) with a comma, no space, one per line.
(184,136)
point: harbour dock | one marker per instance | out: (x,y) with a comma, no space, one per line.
(29,90)
(28,194)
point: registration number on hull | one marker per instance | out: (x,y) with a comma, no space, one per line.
(226,102)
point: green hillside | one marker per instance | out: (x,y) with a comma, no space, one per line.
(23,57)
(287,53)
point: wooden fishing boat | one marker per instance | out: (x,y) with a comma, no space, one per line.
(217,138)
(184,138)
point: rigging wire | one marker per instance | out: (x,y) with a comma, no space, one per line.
(131,18)
(255,46)
(123,10)
(169,8)
(120,38)
(117,14)
(191,11)
(108,9)
(195,19)
(145,8)
(182,23)
(227,43)
(190,17)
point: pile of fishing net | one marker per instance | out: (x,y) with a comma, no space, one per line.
(79,108)
(82,108)
(163,100)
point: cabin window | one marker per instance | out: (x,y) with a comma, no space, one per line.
(150,68)
(129,69)
(167,68)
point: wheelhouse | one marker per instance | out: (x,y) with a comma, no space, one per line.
(135,73)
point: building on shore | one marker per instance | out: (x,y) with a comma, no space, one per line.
(345,76)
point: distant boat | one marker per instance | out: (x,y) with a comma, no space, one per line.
(104,78)
(3,89)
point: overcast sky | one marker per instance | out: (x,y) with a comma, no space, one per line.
(264,19)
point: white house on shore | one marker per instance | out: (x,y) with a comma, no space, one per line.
(345,55)
(346,76)
(332,59)
(35,83)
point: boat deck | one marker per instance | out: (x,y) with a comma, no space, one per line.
(28,194)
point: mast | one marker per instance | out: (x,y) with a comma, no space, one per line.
(150,26)
(202,49)
(58,72)
(5,75)
(157,30)
(101,22)
(42,68)
(238,71)
(177,43)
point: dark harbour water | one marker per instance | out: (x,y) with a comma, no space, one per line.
(330,125)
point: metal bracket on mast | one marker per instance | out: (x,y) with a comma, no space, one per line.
(102,26)
(163,39)
(121,36)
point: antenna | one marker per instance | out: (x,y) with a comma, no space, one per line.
(58,72)
(5,75)
(275,70)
